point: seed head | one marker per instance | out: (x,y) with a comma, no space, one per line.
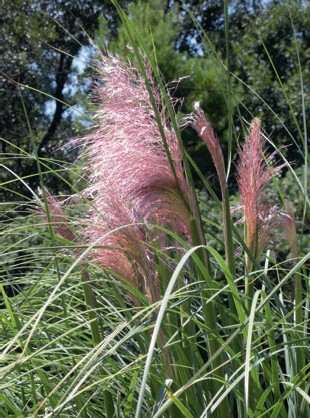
(130,180)
(205,131)
(254,172)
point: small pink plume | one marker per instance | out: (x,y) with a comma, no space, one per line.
(57,217)
(205,131)
(254,172)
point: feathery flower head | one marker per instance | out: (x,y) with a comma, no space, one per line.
(126,153)
(57,217)
(120,244)
(131,181)
(254,171)
(206,132)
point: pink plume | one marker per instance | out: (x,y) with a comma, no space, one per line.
(131,183)
(254,172)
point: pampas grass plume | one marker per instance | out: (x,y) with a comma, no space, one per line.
(131,183)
